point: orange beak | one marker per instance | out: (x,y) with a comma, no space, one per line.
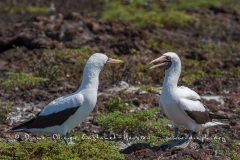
(111,60)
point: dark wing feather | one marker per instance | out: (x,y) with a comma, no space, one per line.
(53,119)
(195,110)
(25,124)
(199,117)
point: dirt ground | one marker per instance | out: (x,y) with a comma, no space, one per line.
(24,36)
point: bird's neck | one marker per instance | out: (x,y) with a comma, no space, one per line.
(90,80)
(171,77)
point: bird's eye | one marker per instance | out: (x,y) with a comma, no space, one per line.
(168,58)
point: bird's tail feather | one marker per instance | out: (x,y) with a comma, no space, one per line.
(216,116)
(219,123)
(15,129)
(211,124)
(22,127)
(19,130)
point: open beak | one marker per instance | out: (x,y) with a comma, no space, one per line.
(111,60)
(160,59)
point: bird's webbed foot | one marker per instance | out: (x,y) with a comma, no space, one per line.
(67,139)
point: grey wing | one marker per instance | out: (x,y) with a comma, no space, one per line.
(63,103)
(195,110)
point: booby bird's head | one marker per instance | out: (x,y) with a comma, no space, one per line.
(166,60)
(98,60)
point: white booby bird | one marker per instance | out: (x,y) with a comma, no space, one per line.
(181,104)
(65,113)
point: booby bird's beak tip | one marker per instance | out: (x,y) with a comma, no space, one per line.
(160,59)
(151,62)
(112,61)
(152,67)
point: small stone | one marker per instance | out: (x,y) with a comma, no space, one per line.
(143,92)
(94,27)
(169,126)
(233,122)
(16,89)
(74,16)
(136,102)
(124,84)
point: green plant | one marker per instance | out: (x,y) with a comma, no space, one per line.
(138,70)
(138,123)
(237,110)
(191,76)
(59,64)
(154,44)
(193,5)
(233,146)
(200,70)
(48,149)
(116,103)
(22,80)
(151,16)
(134,51)
(176,19)
(228,148)
(5,108)
(12,8)
(149,89)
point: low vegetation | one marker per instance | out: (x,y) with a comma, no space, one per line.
(139,123)
(5,108)
(156,44)
(222,49)
(202,70)
(227,150)
(237,110)
(60,64)
(16,8)
(139,72)
(149,89)
(22,80)
(193,5)
(116,103)
(63,63)
(85,148)
(147,14)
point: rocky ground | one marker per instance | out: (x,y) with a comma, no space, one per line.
(210,53)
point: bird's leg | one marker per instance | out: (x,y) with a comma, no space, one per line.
(68,135)
(70,142)
(190,134)
(175,133)
(65,139)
